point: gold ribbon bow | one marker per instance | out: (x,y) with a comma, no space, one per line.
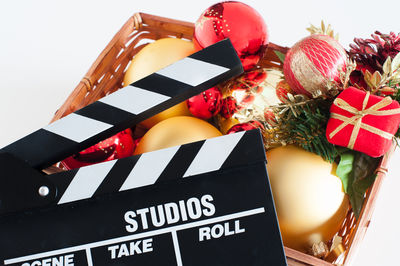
(356,120)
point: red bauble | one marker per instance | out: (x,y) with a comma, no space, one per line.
(206,104)
(245,126)
(239,22)
(312,62)
(269,115)
(282,90)
(243,91)
(228,107)
(118,146)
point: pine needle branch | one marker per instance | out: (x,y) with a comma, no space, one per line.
(303,122)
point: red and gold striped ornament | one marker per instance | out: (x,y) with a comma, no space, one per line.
(312,62)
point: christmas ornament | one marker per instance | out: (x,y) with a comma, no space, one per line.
(179,109)
(309,198)
(224,124)
(228,107)
(312,63)
(363,122)
(154,57)
(270,116)
(250,93)
(206,104)
(175,131)
(118,146)
(282,90)
(157,55)
(245,126)
(239,22)
(247,86)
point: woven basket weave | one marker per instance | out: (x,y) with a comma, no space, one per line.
(106,76)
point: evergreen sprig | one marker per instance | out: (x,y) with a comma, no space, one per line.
(305,126)
(309,132)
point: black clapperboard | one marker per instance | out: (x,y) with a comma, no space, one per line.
(202,203)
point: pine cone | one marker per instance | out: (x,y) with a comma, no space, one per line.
(371,54)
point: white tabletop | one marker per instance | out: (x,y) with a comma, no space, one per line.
(47,46)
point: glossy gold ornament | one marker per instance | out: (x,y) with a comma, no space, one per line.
(309,197)
(154,57)
(175,131)
(226,124)
(179,109)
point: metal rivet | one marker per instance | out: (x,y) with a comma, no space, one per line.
(44,191)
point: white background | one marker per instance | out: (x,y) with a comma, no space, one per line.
(47,46)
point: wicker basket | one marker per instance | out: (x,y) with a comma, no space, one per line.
(106,75)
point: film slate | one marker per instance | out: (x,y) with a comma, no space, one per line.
(204,203)
(128,106)
(21,161)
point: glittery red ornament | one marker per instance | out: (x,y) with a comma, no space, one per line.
(118,146)
(282,90)
(245,126)
(242,24)
(206,104)
(312,62)
(228,107)
(269,115)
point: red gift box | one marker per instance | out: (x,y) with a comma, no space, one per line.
(363,122)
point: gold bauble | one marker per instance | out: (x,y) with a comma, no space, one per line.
(179,109)
(176,131)
(309,197)
(154,57)
(226,124)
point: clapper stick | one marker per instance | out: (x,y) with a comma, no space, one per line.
(229,151)
(225,152)
(128,106)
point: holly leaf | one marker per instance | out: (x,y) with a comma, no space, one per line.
(387,66)
(280,55)
(344,169)
(363,177)
(357,172)
(376,79)
(367,78)
(396,65)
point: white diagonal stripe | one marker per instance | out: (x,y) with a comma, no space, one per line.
(213,154)
(192,71)
(76,127)
(133,99)
(86,182)
(148,168)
